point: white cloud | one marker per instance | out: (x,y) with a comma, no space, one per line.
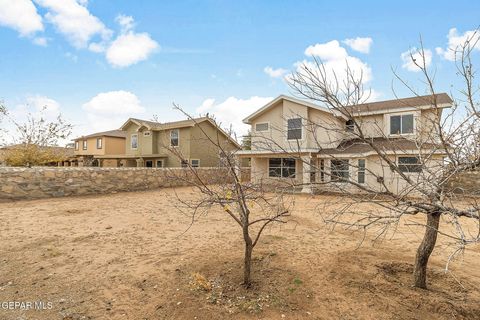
(108,110)
(413,56)
(275,73)
(43,102)
(233,111)
(455,41)
(40,41)
(130,48)
(20,15)
(359,44)
(335,60)
(72,19)
(126,22)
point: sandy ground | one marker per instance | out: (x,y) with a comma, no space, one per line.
(129,256)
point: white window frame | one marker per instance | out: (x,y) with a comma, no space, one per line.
(333,176)
(281,169)
(101,143)
(77,145)
(265,122)
(403,164)
(156,163)
(84,145)
(301,128)
(389,122)
(194,166)
(131,141)
(178,137)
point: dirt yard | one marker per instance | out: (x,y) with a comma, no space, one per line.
(130,256)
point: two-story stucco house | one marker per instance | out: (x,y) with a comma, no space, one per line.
(94,149)
(290,136)
(154,144)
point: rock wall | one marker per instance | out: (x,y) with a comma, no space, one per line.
(44,182)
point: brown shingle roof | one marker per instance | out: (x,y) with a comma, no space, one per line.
(170,125)
(111,133)
(418,101)
(357,146)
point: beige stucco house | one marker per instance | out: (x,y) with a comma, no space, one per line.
(91,150)
(290,136)
(154,144)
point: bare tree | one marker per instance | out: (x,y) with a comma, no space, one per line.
(249,205)
(445,144)
(33,139)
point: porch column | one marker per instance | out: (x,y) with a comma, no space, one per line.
(140,162)
(306,181)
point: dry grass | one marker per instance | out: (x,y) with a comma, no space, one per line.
(127,256)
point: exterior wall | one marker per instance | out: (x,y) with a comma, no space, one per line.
(163,143)
(114,145)
(325,130)
(91,147)
(276,130)
(259,173)
(35,183)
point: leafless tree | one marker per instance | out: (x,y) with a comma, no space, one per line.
(249,205)
(445,145)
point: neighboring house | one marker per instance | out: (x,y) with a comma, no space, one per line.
(289,135)
(154,144)
(34,155)
(89,150)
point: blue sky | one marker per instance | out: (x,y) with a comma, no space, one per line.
(99,62)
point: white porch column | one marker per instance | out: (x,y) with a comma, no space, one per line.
(306,183)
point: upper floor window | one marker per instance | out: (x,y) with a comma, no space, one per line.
(134,141)
(409,164)
(84,144)
(174,138)
(350,125)
(294,129)
(99,143)
(76,145)
(401,124)
(259,127)
(339,170)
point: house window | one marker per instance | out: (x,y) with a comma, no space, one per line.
(184,163)
(76,145)
(259,127)
(281,167)
(401,124)
(149,164)
(339,170)
(294,129)
(99,143)
(350,125)
(174,138)
(134,141)
(409,164)
(195,163)
(322,170)
(361,171)
(159,163)
(84,144)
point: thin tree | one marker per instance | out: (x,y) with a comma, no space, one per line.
(249,205)
(445,146)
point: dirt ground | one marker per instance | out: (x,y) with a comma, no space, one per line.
(130,256)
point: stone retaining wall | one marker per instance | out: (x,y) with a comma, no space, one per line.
(43,182)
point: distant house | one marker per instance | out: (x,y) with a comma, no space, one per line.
(89,150)
(34,155)
(150,144)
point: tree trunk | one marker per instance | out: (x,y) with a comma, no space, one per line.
(247,281)
(425,249)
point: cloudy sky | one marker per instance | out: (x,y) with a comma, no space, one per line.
(99,62)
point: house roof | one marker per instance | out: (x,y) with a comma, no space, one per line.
(152,125)
(111,133)
(442,99)
(279,98)
(357,146)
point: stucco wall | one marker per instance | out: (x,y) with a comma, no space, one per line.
(466,183)
(32,183)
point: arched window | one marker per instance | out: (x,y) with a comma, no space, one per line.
(350,125)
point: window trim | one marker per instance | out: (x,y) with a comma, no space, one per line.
(156,163)
(333,177)
(301,129)
(265,122)
(148,166)
(178,137)
(131,141)
(281,169)
(101,143)
(191,163)
(389,123)
(84,145)
(77,145)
